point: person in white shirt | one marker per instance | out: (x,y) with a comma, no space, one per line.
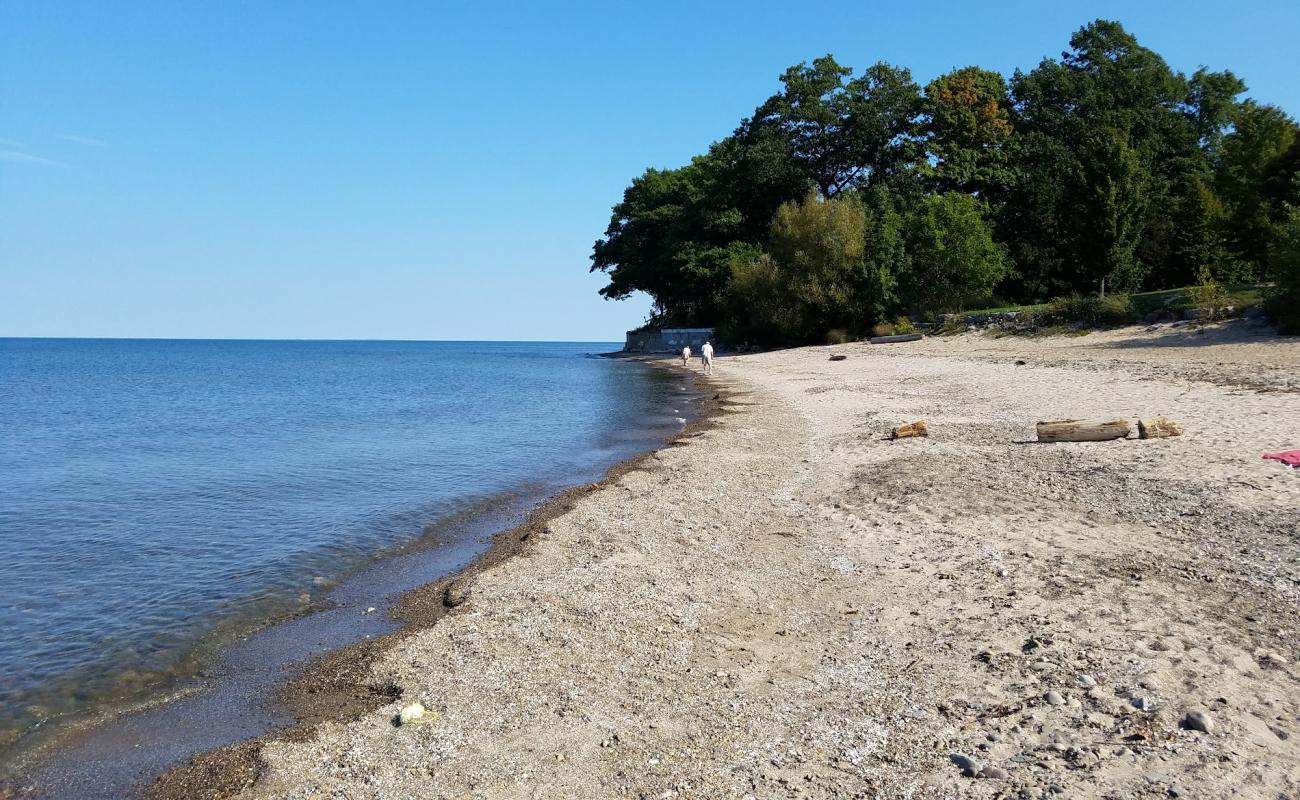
(686,356)
(706,356)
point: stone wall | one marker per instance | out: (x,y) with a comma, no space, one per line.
(667,340)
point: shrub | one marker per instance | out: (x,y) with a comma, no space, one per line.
(904,325)
(838,336)
(1209,297)
(882,329)
(1092,311)
(953,326)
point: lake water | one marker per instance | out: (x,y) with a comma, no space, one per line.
(156,491)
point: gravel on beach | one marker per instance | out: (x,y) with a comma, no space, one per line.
(787,604)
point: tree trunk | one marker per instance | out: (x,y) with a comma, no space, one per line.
(1082,430)
(902,337)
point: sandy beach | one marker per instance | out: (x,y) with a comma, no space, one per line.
(784,603)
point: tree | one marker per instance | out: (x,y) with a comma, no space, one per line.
(809,284)
(1249,155)
(677,233)
(886,261)
(952,253)
(1284,263)
(847,198)
(844,132)
(1110,134)
(967,125)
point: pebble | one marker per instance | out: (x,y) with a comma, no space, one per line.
(1054,698)
(968,766)
(415,713)
(993,773)
(1087,681)
(1198,721)
(1144,704)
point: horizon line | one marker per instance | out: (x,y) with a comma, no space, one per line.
(288,339)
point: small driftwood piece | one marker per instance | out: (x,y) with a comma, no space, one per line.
(902,337)
(837,357)
(909,430)
(1158,428)
(1083,430)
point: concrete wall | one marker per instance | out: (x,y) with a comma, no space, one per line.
(667,340)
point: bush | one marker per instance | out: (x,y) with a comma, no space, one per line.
(1092,311)
(1209,297)
(838,336)
(904,325)
(952,326)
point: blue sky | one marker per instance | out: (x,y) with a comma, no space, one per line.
(430,170)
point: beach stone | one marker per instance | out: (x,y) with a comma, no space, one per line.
(1271,659)
(456,594)
(1054,698)
(992,773)
(1087,681)
(1198,721)
(1144,704)
(968,766)
(414,714)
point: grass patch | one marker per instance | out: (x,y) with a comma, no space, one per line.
(1239,296)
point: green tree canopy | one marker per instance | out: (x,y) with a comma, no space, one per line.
(842,131)
(848,197)
(967,126)
(953,255)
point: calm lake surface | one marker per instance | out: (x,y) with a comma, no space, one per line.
(155,492)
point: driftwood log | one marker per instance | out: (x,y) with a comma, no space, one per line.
(838,357)
(909,430)
(1158,428)
(1083,430)
(902,337)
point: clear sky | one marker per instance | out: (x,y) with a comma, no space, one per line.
(431,170)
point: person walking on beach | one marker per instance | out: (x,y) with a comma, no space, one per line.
(686,356)
(706,356)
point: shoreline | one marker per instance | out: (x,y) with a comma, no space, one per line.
(790,604)
(197,662)
(783,602)
(337,687)
(481,527)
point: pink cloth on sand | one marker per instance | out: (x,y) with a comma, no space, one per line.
(1289,457)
